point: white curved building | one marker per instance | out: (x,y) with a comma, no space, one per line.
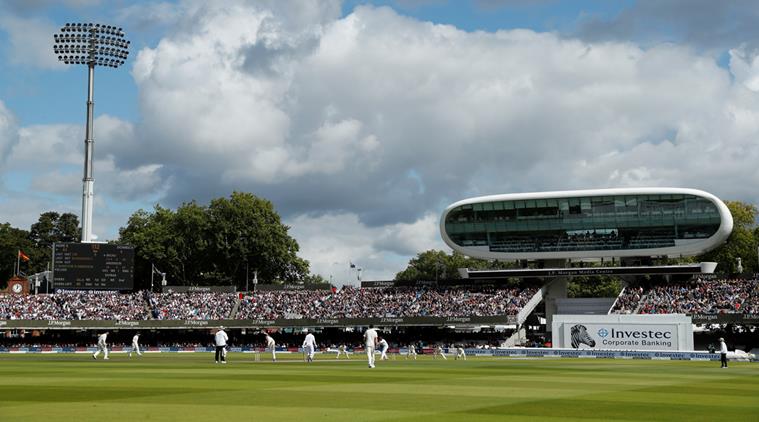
(624,222)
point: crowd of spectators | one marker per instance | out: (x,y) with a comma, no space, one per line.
(694,297)
(74,305)
(383,302)
(196,305)
(348,302)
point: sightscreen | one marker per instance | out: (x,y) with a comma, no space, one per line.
(93,266)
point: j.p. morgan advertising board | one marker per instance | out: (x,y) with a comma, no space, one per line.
(623,332)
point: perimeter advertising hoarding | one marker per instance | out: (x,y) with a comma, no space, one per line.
(623,332)
(249,323)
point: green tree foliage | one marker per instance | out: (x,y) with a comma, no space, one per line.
(741,243)
(52,227)
(596,286)
(214,244)
(438,265)
(11,240)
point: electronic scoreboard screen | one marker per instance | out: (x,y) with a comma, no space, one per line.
(100,266)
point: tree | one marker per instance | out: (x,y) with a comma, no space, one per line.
(596,286)
(52,227)
(438,265)
(11,241)
(213,245)
(742,242)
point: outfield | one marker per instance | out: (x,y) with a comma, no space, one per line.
(169,387)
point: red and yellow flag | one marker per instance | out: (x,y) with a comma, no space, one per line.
(22,256)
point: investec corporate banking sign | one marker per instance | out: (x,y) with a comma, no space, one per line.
(670,332)
(622,337)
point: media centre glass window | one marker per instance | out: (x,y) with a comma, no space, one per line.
(590,223)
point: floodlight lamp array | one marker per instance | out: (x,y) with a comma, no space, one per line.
(91,44)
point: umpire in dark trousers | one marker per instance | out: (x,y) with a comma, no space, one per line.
(220,340)
(723,352)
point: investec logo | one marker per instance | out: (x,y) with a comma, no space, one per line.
(651,337)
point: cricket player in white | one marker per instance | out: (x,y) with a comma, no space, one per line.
(272,346)
(460,353)
(220,340)
(383,346)
(309,347)
(370,342)
(439,351)
(411,351)
(135,345)
(341,350)
(102,347)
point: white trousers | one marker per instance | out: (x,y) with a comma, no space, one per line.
(309,351)
(135,349)
(383,355)
(370,355)
(273,352)
(101,348)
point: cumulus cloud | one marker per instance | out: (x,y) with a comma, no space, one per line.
(362,128)
(332,242)
(8,133)
(30,41)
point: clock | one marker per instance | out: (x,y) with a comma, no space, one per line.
(17,287)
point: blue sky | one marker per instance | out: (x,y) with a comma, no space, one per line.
(362,120)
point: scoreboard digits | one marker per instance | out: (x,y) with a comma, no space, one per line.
(93,266)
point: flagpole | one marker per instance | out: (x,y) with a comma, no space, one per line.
(18,262)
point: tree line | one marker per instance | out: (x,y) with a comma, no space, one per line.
(230,239)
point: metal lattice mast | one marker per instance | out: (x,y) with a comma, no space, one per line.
(92,45)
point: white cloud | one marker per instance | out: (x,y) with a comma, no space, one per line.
(362,128)
(31,41)
(331,242)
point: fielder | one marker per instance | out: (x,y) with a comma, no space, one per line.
(135,345)
(411,352)
(271,345)
(342,350)
(460,354)
(383,346)
(439,352)
(102,346)
(370,342)
(309,347)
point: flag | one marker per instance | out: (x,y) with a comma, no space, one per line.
(22,256)
(353,265)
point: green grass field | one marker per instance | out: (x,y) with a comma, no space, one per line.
(190,387)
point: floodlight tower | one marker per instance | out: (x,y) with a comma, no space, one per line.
(92,45)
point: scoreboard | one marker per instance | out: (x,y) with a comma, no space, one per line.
(100,266)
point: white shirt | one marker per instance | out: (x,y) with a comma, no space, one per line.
(102,337)
(221,338)
(370,337)
(136,339)
(310,340)
(383,344)
(722,347)
(412,348)
(269,341)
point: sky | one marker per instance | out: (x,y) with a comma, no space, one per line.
(362,120)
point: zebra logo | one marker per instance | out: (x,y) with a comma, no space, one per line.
(580,336)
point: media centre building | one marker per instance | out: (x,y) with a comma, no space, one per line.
(598,223)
